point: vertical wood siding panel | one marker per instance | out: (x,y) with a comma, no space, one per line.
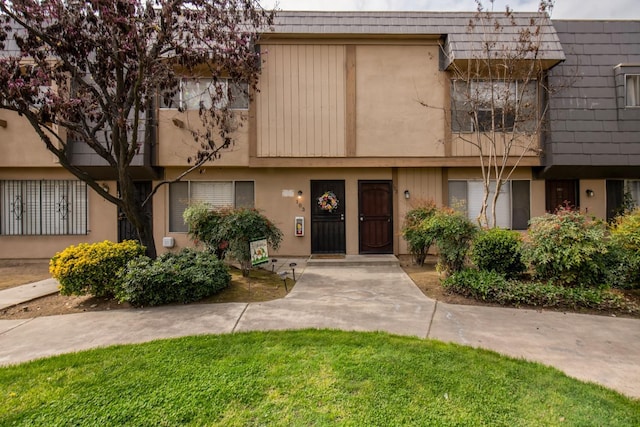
(340,121)
(333,107)
(301,108)
(325,107)
(286,107)
(304,101)
(310,101)
(272,96)
(295,102)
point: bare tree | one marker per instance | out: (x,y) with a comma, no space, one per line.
(498,101)
(91,72)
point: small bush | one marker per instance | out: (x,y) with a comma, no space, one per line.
(499,250)
(231,230)
(490,286)
(418,240)
(205,226)
(567,248)
(187,276)
(625,245)
(92,268)
(452,233)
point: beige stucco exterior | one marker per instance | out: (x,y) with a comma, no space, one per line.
(354,109)
(102,219)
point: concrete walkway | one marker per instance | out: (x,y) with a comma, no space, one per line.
(360,294)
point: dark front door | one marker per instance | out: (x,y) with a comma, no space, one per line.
(376,217)
(561,192)
(327,217)
(126,230)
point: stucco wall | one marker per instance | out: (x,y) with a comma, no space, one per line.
(391,81)
(281,209)
(21,146)
(102,220)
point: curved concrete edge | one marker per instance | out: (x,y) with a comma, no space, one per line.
(52,335)
(596,349)
(19,294)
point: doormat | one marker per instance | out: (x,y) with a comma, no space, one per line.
(328,256)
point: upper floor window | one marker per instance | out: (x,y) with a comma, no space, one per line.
(43,207)
(483,106)
(632,83)
(194,93)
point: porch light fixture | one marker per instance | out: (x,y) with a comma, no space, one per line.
(407,194)
(299,194)
(590,193)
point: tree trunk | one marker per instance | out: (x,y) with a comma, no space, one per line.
(137,215)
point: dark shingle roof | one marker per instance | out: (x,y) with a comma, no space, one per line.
(461,42)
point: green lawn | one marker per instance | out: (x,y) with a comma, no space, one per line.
(301,378)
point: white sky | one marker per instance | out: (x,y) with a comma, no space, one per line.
(563,9)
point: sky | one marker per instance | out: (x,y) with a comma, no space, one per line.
(563,9)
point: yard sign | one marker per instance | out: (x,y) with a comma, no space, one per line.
(259,252)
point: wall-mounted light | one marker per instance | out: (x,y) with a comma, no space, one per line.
(299,201)
(590,193)
(105,186)
(407,194)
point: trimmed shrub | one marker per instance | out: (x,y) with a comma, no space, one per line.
(490,286)
(204,226)
(499,250)
(452,233)
(187,276)
(230,231)
(92,268)
(567,248)
(418,241)
(625,246)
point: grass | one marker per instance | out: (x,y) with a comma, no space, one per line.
(301,378)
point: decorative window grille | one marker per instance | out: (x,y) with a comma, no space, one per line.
(51,207)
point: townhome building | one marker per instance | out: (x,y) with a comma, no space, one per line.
(356,121)
(591,156)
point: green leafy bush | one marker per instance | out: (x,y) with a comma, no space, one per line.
(490,286)
(499,250)
(625,245)
(452,233)
(231,230)
(418,241)
(204,226)
(91,268)
(567,248)
(187,276)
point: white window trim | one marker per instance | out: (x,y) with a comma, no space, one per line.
(627,77)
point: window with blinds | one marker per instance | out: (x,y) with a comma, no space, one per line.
(57,207)
(512,209)
(216,194)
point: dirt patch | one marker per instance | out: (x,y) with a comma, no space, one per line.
(428,280)
(262,285)
(15,272)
